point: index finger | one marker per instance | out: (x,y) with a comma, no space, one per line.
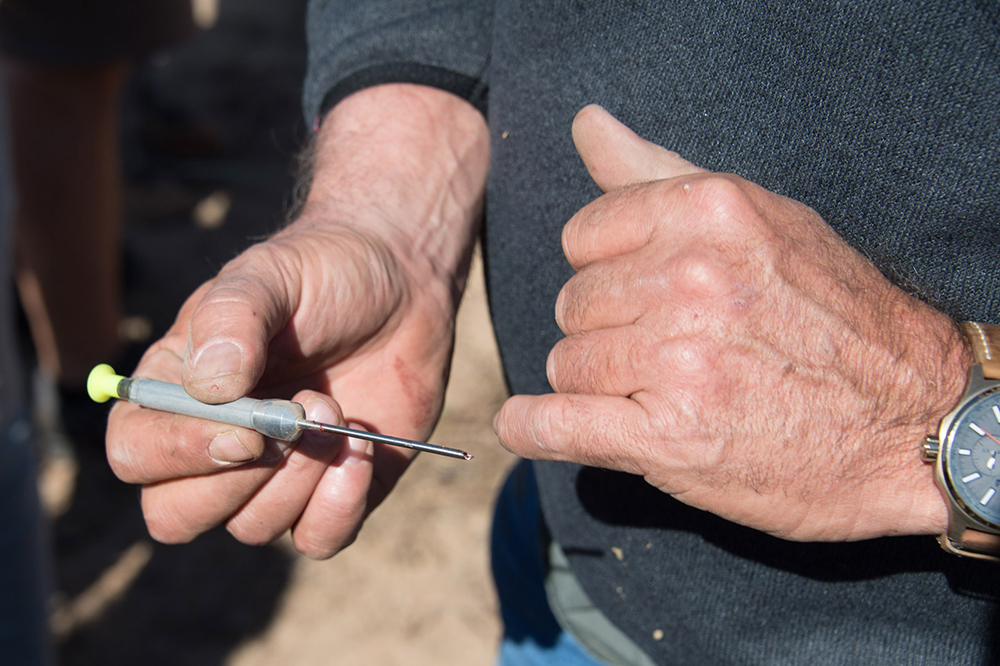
(592,430)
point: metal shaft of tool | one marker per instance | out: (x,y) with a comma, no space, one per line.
(306,424)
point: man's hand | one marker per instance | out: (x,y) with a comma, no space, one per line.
(355,300)
(725,343)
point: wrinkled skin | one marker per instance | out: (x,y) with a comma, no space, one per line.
(723,342)
(350,310)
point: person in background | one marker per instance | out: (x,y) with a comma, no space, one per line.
(24,555)
(64,67)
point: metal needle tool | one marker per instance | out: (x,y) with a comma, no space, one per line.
(280,419)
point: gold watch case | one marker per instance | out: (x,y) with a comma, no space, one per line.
(966,455)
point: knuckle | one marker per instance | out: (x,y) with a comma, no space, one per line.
(588,297)
(118,453)
(617,292)
(316,547)
(684,357)
(510,426)
(721,194)
(623,367)
(531,430)
(614,224)
(547,421)
(228,302)
(140,460)
(569,308)
(123,464)
(571,367)
(253,531)
(698,275)
(163,526)
(342,508)
(532,426)
(349,508)
(601,365)
(161,360)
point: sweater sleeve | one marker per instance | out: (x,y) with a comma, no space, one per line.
(354,45)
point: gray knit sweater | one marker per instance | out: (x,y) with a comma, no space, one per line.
(883,116)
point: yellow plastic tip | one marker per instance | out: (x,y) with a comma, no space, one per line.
(102,383)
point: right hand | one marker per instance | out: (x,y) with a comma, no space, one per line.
(355,301)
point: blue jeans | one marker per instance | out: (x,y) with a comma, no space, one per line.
(532,636)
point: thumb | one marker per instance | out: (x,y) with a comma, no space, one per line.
(616,156)
(229,332)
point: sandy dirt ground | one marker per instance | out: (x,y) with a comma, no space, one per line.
(210,134)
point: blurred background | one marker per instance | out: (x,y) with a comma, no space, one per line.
(211,128)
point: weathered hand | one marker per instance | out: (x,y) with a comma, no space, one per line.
(302,304)
(355,300)
(725,343)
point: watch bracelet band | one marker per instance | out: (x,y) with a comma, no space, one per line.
(985,341)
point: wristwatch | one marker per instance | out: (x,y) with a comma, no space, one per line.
(966,453)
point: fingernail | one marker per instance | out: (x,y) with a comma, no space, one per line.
(357,451)
(227,448)
(223,358)
(318,410)
(550,370)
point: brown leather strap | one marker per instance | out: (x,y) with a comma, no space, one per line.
(981,542)
(985,339)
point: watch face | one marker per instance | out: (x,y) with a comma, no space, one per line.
(972,457)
